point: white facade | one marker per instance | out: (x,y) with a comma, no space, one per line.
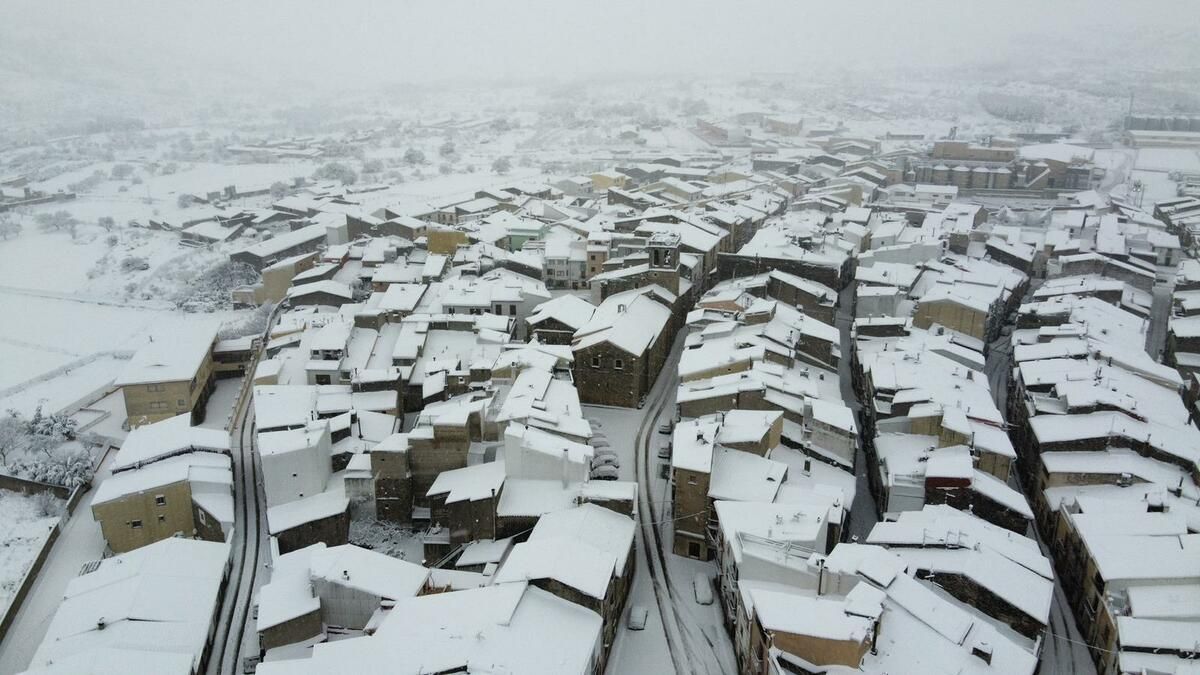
(295,463)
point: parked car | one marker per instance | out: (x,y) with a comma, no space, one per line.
(250,664)
(666,428)
(703,588)
(605,460)
(605,473)
(637,617)
(599,442)
(602,452)
(665,451)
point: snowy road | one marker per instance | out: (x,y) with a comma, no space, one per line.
(863,515)
(1160,310)
(681,635)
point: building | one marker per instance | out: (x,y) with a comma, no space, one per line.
(513,627)
(263,253)
(171,376)
(321,587)
(153,609)
(188,495)
(621,349)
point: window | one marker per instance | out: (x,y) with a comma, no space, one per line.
(203,518)
(162,518)
(595,361)
(158,405)
(135,524)
(160,500)
(512,309)
(693,549)
(182,403)
(154,387)
(619,364)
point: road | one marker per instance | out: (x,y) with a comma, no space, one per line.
(235,630)
(694,648)
(863,514)
(1160,311)
(1064,652)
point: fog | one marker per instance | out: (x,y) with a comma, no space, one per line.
(312,49)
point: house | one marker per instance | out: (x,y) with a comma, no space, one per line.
(584,555)
(188,495)
(864,612)
(169,376)
(462,507)
(276,280)
(263,253)
(153,609)
(621,349)
(555,321)
(321,587)
(504,626)
(321,293)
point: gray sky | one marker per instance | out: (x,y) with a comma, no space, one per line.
(140,44)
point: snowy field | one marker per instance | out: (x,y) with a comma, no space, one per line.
(67,298)
(23,531)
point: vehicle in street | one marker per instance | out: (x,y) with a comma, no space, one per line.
(637,617)
(605,473)
(605,460)
(703,589)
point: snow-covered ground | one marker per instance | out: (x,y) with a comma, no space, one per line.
(62,390)
(23,531)
(80,542)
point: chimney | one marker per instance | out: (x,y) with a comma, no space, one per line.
(566,467)
(982,651)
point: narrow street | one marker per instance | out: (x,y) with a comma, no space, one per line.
(692,639)
(248,541)
(1065,652)
(1160,312)
(863,515)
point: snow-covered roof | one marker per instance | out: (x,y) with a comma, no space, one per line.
(157,599)
(630,321)
(494,628)
(172,436)
(570,310)
(470,483)
(569,561)
(596,526)
(174,356)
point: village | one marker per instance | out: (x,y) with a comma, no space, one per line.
(722,389)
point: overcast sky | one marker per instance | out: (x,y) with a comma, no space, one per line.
(353,43)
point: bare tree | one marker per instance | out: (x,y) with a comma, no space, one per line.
(9,226)
(12,434)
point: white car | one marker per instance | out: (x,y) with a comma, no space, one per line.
(605,473)
(605,460)
(703,588)
(637,617)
